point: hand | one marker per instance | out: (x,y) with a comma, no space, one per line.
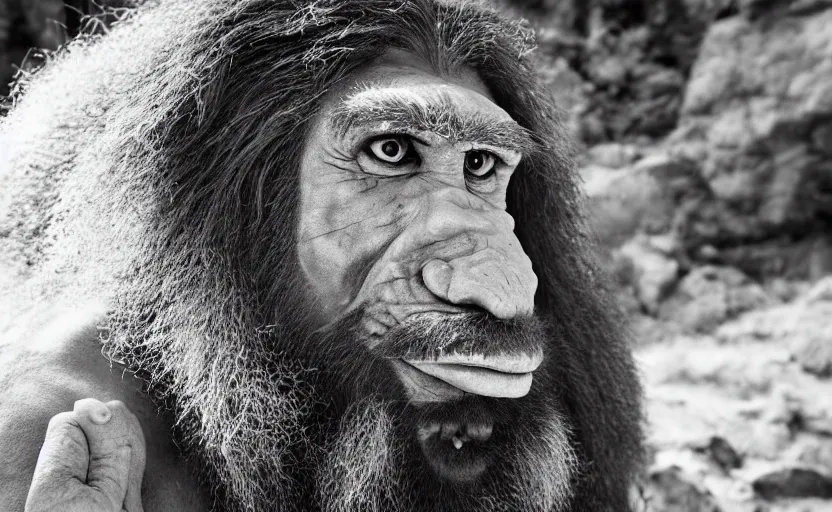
(92,460)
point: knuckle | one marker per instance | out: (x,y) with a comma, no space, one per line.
(106,480)
(117,406)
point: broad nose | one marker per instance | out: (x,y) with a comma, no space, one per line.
(485,265)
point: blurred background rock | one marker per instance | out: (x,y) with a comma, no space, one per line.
(707,127)
(707,134)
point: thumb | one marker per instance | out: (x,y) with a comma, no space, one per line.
(110,450)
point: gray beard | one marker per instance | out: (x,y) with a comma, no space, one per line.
(252,420)
(366,470)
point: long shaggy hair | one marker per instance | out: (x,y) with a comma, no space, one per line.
(156,169)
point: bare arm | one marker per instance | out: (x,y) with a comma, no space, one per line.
(42,377)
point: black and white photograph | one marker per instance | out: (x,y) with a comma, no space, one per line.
(415,255)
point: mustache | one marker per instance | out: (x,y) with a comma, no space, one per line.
(429,335)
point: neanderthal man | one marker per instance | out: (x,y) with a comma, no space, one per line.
(287,255)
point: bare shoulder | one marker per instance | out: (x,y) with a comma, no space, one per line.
(47,362)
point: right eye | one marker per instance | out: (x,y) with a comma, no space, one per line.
(390,150)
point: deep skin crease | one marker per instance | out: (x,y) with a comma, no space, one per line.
(348,273)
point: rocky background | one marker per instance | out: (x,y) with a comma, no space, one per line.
(707,129)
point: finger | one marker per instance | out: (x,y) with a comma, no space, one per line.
(116,447)
(62,464)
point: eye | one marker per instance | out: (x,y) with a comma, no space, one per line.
(391,150)
(480,164)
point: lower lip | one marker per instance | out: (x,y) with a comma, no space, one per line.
(477,380)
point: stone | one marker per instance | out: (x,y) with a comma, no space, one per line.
(798,327)
(654,273)
(609,71)
(803,7)
(819,261)
(756,116)
(666,243)
(810,450)
(670,490)
(816,407)
(782,256)
(783,406)
(715,73)
(724,454)
(565,84)
(783,198)
(784,290)
(793,483)
(767,441)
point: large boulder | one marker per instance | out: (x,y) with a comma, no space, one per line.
(743,182)
(757,116)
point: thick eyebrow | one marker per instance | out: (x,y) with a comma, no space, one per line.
(437,114)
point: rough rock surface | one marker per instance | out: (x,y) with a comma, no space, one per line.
(736,415)
(708,126)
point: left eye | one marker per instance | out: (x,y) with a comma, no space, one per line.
(391,150)
(479,164)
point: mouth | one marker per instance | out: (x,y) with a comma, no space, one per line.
(498,376)
(457,451)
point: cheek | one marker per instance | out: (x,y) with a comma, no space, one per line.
(342,230)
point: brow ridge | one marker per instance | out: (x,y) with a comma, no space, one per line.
(439,114)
